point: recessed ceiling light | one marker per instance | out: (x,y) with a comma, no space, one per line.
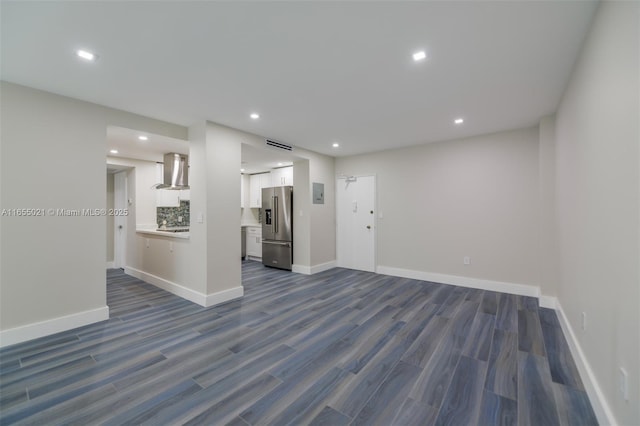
(335,144)
(242,170)
(280,164)
(419,56)
(114,151)
(255,116)
(85,54)
(458,121)
(143,138)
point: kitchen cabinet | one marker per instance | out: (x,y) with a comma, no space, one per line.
(282,176)
(256,183)
(171,198)
(254,242)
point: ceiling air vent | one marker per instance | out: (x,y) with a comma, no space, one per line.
(279,145)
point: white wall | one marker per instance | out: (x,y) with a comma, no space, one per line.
(475,197)
(301,223)
(548,244)
(323,217)
(53,156)
(223,157)
(597,175)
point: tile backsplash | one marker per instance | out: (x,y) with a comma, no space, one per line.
(171,214)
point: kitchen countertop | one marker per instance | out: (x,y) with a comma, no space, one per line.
(182,235)
(251,225)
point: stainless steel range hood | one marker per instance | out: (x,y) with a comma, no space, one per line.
(176,172)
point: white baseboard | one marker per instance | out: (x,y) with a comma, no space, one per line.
(201,299)
(52,326)
(223,296)
(301,269)
(323,267)
(110,265)
(503,287)
(310,270)
(548,302)
(596,396)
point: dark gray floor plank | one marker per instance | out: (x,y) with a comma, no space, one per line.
(385,403)
(426,343)
(415,413)
(563,368)
(478,345)
(330,417)
(497,410)
(489,302)
(530,333)
(347,346)
(353,396)
(507,313)
(434,379)
(573,405)
(461,405)
(536,403)
(502,372)
(312,401)
(229,407)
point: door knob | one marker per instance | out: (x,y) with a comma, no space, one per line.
(368,226)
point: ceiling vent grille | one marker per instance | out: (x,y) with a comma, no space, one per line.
(279,145)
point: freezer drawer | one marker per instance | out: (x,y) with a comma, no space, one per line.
(277,254)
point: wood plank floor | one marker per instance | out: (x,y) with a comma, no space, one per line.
(336,348)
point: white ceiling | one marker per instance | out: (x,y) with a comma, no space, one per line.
(128,145)
(317,72)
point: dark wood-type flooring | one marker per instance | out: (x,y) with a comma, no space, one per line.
(340,347)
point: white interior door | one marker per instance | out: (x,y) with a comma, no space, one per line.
(119,221)
(356,225)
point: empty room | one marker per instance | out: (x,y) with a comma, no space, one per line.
(320,212)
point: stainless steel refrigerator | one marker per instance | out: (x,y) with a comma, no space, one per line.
(277,227)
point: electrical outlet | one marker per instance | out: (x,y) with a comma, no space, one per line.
(624,384)
(466,260)
(584,321)
(171,246)
(146,242)
(179,218)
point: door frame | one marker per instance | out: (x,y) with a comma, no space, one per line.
(375,216)
(120,198)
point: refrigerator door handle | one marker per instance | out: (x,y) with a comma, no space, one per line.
(277,243)
(275,214)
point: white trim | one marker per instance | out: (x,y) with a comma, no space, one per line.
(310,270)
(323,267)
(201,299)
(596,395)
(110,265)
(548,302)
(503,287)
(301,269)
(52,326)
(224,296)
